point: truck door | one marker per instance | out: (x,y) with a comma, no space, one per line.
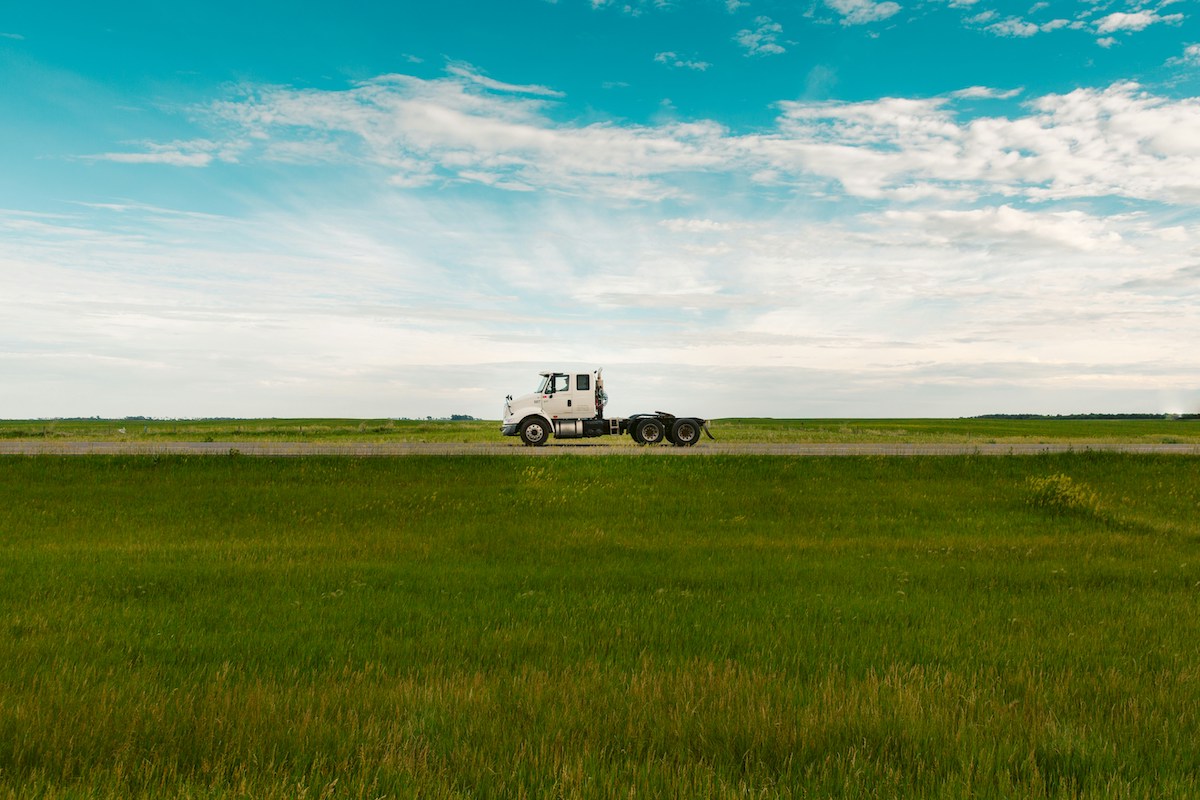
(572,398)
(556,398)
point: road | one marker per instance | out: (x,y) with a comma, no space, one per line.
(364,449)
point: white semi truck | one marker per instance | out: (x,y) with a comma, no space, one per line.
(570,405)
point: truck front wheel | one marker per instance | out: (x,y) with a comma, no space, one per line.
(650,431)
(535,431)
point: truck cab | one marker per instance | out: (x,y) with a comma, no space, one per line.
(557,407)
(568,395)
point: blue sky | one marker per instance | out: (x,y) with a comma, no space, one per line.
(737,207)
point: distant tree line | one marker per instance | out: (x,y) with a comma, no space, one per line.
(1088,416)
(452,418)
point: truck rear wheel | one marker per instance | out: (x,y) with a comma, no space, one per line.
(650,431)
(685,433)
(535,431)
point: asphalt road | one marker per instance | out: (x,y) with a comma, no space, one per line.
(363,449)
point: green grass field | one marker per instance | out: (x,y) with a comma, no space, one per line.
(732,626)
(971,430)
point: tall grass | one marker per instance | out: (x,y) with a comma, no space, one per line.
(492,627)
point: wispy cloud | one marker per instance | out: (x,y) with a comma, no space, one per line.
(1135,21)
(763,39)
(1116,22)
(862,12)
(699,226)
(1190,57)
(193,153)
(165,304)
(985,92)
(1014,26)
(401,240)
(469,73)
(1023,29)
(633,8)
(1121,141)
(18,37)
(672,59)
(1005,226)
(456,129)
(980,226)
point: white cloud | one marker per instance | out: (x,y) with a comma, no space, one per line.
(1014,27)
(1120,141)
(168,157)
(18,37)
(181,314)
(318,151)
(698,226)
(195,153)
(672,59)
(469,73)
(861,12)
(1190,57)
(985,92)
(1004,225)
(452,129)
(634,8)
(763,39)
(1115,22)
(1135,21)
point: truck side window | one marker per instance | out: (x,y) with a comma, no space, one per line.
(562,383)
(582,383)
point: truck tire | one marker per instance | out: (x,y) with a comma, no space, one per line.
(535,432)
(685,433)
(650,431)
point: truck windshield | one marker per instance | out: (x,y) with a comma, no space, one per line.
(545,384)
